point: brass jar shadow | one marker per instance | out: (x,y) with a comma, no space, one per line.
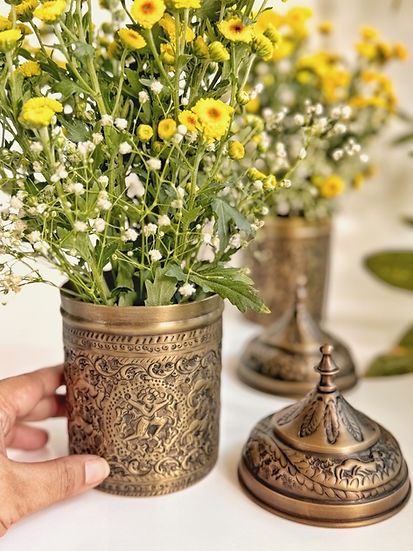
(143,391)
(284,250)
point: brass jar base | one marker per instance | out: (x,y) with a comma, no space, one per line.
(309,512)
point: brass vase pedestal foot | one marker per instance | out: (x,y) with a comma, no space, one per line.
(281,360)
(321,462)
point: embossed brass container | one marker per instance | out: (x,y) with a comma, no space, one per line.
(320,461)
(143,391)
(281,359)
(283,250)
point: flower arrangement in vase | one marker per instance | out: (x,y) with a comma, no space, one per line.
(115,149)
(324,108)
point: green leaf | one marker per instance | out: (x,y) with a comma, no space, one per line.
(389,364)
(76,130)
(407,339)
(161,290)
(83,50)
(394,268)
(209,10)
(232,284)
(225,214)
(68,88)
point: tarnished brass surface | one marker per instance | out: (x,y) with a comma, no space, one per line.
(281,359)
(320,461)
(143,391)
(283,250)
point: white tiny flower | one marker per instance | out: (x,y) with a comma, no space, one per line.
(125,148)
(41,247)
(285,183)
(130,235)
(184,101)
(302,153)
(37,167)
(78,188)
(41,208)
(177,138)
(180,192)
(340,128)
(150,229)
(235,241)
(156,87)
(164,220)
(182,129)
(67,109)
(155,255)
(97,138)
(104,180)
(346,112)
(36,147)
(103,202)
(177,204)
(34,236)
(84,148)
(265,211)
(258,184)
(16,203)
(154,164)
(80,226)
(38,176)
(364,158)
(337,154)
(106,120)
(99,224)
(143,97)
(134,186)
(318,109)
(187,290)
(121,124)
(299,119)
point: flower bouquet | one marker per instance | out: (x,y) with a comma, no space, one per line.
(116,148)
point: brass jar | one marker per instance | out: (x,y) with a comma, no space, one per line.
(143,391)
(284,250)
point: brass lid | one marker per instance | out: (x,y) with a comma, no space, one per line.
(281,360)
(322,462)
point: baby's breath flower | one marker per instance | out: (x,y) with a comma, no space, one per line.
(156,87)
(150,229)
(125,148)
(97,138)
(36,147)
(103,180)
(164,220)
(99,224)
(155,255)
(80,226)
(154,164)
(103,202)
(130,235)
(134,186)
(106,120)
(143,97)
(187,290)
(121,124)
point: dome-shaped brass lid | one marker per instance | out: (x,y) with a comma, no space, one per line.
(320,461)
(281,359)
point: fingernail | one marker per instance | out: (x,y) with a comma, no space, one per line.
(96,470)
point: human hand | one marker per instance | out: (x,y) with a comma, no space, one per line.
(28,487)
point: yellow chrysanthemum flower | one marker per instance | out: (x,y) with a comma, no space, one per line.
(147,12)
(200,48)
(184,4)
(168,53)
(9,39)
(5,24)
(400,51)
(144,132)
(218,52)
(253,106)
(267,18)
(131,39)
(189,119)
(331,186)
(37,112)
(50,12)
(236,150)
(325,27)
(24,11)
(167,23)
(166,129)
(234,30)
(214,117)
(263,47)
(296,19)
(369,33)
(30,69)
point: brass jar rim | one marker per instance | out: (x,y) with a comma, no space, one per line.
(293,226)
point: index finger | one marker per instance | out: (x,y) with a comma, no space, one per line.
(20,394)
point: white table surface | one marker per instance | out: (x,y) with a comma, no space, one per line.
(215,514)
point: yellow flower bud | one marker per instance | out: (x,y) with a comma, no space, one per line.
(218,52)
(200,48)
(272,34)
(263,47)
(168,53)
(30,69)
(270,182)
(144,132)
(236,150)
(9,39)
(243,97)
(166,129)
(131,39)
(24,11)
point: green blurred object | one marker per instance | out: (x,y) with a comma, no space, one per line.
(398,361)
(393,267)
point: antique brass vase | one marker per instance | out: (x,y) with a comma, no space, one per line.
(284,250)
(143,391)
(320,461)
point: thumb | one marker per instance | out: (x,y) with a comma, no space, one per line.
(38,485)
